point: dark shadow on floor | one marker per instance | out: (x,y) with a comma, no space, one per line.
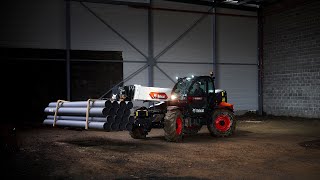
(114,145)
(204,137)
(314,144)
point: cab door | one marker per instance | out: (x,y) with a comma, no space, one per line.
(211,94)
(198,96)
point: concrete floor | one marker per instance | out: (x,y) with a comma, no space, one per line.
(262,148)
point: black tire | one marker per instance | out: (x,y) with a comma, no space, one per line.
(173,129)
(222,124)
(138,133)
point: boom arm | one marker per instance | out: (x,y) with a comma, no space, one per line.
(144,93)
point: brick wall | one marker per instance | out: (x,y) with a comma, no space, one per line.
(292,59)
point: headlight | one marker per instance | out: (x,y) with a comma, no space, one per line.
(173,97)
(114,96)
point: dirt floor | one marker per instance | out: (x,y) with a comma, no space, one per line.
(262,148)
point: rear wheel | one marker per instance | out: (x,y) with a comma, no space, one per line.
(223,123)
(173,126)
(138,133)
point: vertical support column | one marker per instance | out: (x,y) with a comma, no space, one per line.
(151,61)
(68,47)
(214,57)
(260,62)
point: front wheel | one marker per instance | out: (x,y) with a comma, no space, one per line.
(173,126)
(138,133)
(222,124)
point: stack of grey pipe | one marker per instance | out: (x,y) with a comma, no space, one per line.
(103,114)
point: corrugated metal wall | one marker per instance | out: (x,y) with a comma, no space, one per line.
(88,32)
(194,47)
(32,24)
(236,41)
(237,55)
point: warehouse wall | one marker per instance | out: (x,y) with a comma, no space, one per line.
(195,46)
(90,33)
(41,24)
(32,24)
(236,44)
(132,23)
(292,59)
(24,92)
(237,56)
(33,68)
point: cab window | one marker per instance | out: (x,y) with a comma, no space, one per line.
(198,88)
(210,86)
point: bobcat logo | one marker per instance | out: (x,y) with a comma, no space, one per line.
(158,95)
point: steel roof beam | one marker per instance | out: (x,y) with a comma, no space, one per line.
(216,4)
(114,2)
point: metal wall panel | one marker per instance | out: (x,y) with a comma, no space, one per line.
(196,45)
(179,70)
(236,40)
(191,40)
(32,24)
(88,32)
(240,82)
(237,43)
(141,78)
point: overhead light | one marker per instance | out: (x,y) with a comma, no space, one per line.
(252,5)
(231,1)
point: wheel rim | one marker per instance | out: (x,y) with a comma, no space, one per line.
(178,125)
(222,123)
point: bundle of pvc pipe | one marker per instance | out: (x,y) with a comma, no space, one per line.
(103,114)
(98,103)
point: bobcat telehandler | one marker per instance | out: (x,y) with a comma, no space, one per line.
(192,103)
